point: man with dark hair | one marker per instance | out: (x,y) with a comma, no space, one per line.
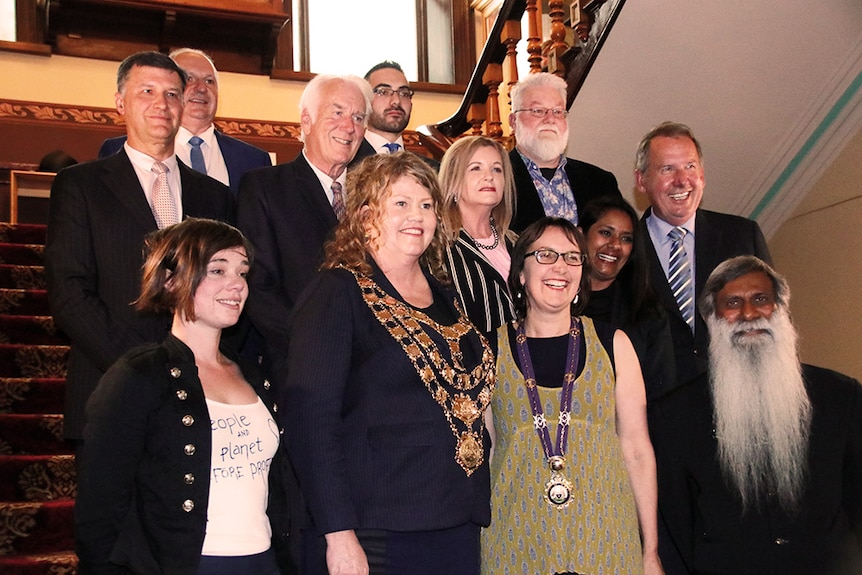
(100,213)
(760,460)
(685,243)
(198,144)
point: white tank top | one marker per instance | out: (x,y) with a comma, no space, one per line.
(244,439)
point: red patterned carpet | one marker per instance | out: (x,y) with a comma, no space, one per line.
(37,468)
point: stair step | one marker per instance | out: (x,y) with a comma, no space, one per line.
(24,302)
(32,434)
(37,478)
(31,329)
(31,395)
(22,277)
(39,527)
(23,233)
(22,254)
(61,562)
(33,360)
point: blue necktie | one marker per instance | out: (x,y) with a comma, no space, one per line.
(679,275)
(392,147)
(197,155)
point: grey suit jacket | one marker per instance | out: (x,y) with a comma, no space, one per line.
(97,222)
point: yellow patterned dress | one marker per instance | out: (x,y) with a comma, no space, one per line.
(597,534)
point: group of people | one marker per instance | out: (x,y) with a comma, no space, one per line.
(385,369)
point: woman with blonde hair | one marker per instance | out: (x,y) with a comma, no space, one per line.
(478,203)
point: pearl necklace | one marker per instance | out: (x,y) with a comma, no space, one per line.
(496,237)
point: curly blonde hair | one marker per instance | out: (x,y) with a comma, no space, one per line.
(370,184)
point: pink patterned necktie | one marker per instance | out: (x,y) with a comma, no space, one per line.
(164,209)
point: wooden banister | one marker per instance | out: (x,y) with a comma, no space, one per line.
(480,105)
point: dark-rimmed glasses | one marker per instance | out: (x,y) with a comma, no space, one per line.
(547,256)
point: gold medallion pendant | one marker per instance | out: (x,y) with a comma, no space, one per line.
(468,452)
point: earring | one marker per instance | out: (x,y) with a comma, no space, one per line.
(455,199)
(577,297)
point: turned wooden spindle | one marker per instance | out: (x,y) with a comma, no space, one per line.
(558,36)
(492,78)
(510,36)
(534,40)
(476,118)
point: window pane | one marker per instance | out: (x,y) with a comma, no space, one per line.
(7,20)
(345,35)
(441,67)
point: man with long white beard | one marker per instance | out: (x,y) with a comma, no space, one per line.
(547,182)
(760,460)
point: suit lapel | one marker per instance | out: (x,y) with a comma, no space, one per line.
(306,184)
(121,180)
(231,159)
(707,240)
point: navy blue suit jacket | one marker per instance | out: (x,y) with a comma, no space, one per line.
(286,214)
(239,157)
(587,182)
(717,238)
(97,222)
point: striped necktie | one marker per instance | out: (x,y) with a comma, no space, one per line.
(679,275)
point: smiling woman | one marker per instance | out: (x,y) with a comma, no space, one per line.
(183,433)
(386,385)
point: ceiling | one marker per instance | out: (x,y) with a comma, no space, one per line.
(771,88)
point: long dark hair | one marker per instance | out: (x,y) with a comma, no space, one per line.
(633,279)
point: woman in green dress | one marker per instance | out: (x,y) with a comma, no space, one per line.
(573,478)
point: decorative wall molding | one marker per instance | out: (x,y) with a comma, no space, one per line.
(89,116)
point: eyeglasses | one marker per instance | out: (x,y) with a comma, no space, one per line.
(386,92)
(558,113)
(546,256)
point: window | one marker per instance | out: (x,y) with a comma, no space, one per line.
(351,36)
(7,20)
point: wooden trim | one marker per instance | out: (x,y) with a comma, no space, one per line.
(25,48)
(27,184)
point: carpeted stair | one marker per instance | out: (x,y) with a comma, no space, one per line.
(37,468)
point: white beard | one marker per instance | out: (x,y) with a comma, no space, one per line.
(762,411)
(543,145)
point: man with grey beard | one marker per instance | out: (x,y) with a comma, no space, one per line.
(760,460)
(547,182)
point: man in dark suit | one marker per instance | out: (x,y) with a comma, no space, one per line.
(221,157)
(669,170)
(391,106)
(100,213)
(547,182)
(759,460)
(289,210)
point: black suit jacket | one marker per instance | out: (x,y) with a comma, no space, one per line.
(97,222)
(706,519)
(717,238)
(239,157)
(286,214)
(587,182)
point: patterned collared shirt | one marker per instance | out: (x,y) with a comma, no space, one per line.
(556,195)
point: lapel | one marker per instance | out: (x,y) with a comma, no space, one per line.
(230,156)
(304,182)
(121,180)
(706,241)
(656,274)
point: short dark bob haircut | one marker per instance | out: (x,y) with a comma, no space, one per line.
(181,254)
(524,244)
